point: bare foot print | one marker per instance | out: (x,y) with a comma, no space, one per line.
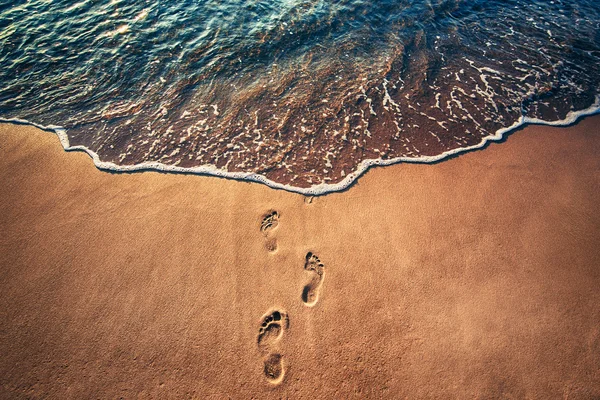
(274,368)
(269,222)
(310,293)
(271,330)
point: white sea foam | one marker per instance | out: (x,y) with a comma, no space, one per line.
(316,190)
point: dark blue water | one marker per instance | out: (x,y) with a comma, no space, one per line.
(300,92)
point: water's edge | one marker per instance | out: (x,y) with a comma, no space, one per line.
(317,190)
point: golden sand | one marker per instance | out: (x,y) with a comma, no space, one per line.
(477,277)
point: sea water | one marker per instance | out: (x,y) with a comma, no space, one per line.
(299,94)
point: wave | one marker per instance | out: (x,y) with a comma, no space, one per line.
(316,190)
(303,94)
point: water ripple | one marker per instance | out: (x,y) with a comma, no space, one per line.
(300,92)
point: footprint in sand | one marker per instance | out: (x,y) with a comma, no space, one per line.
(268,224)
(271,330)
(310,293)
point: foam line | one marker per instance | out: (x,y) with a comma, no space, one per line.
(317,190)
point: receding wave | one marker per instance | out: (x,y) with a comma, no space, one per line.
(299,94)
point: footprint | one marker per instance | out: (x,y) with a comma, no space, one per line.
(269,222)
(310,293)
(271,330)
(273,369)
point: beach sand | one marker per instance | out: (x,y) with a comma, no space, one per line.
(477,277)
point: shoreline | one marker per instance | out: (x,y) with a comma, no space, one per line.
(318,190)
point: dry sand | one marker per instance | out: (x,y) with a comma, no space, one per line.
(478,277)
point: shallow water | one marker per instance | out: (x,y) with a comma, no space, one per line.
(298,92)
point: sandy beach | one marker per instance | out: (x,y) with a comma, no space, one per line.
(476,277)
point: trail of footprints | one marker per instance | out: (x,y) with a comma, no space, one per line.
(275,322)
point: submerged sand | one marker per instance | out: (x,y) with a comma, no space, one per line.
(477,277)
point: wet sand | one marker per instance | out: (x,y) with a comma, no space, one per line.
(477,277)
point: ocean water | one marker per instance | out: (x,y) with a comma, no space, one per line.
(299,94)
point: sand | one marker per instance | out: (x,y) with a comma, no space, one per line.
(477,277)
